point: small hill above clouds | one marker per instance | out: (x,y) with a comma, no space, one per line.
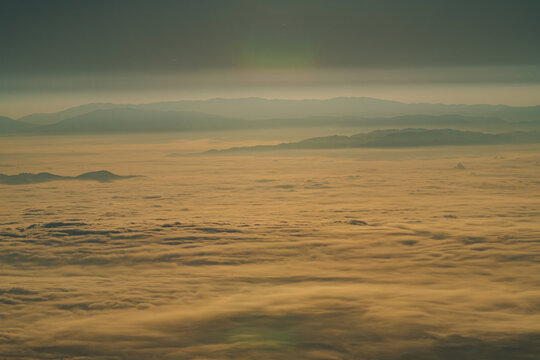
(101,176)
(29,178)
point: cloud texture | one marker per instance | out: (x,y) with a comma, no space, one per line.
(340,256)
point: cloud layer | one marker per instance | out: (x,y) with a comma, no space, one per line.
(307,257)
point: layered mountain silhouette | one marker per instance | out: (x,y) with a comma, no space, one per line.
(398,138)
(53,118)
(255,113)
(29,178)
(10,126)
(127,120)
(435,121)
(258,108)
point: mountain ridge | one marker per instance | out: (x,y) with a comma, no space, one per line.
(102,176)
(132,120)
(255,108)
(396,138)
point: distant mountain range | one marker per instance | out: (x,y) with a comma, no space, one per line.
(9,126)
(257,108)
(396,139)
(29,178)
(127,120)
(256,113)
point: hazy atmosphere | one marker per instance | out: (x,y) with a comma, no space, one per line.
(59,53)
(269,180)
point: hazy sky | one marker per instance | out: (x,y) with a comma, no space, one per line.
(58,53)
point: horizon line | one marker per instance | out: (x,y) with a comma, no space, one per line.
(267,99)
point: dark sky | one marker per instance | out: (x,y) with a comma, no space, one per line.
(38,36)
(60,53)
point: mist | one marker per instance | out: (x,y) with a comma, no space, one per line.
(338,180)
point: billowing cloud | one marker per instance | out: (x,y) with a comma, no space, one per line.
(215,258)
